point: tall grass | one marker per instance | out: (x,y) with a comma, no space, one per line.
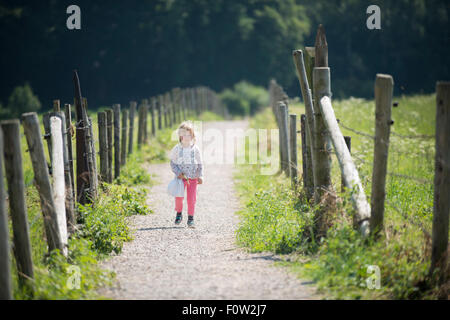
(338,263)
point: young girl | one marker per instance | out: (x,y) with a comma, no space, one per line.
(186,163)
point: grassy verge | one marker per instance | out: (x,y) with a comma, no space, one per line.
(103,226)
(277,219)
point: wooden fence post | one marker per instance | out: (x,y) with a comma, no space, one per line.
(145,124)
(322,170)
(173,95)
(184,103)
(348,168)
(82,131)
(42,180)
(91,153)
(5,261)
(167,109)
(308,173)
(304,148)
(56,106)
(348,143)
(17,202)
(441,208)
(131,132)
(293,148)
(159,109)
(103,143)
(46,122)
(153,107)
(116,109)
(123,156)
(284,138)
(140,125)
(70,133)
(109,133)
(383,103)
(59,190)
(69,199)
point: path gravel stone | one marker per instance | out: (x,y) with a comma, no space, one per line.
(168,261)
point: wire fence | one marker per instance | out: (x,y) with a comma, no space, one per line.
(396,152)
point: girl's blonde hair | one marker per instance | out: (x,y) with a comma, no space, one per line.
(186,125)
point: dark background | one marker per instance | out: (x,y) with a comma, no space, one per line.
(134,49)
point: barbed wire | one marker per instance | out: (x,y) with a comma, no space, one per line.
(364,134)
(409,218)
(398,175)
(418,136)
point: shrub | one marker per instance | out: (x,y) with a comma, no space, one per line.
(22,100)
(245,98)
(105,223)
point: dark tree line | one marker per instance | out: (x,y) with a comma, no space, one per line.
(133,49)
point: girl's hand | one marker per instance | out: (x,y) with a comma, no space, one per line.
(181,176)
(199,180)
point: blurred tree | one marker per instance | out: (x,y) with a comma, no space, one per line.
(20,101)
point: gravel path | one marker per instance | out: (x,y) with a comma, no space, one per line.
(165,261)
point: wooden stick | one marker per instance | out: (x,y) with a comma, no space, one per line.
(5,267)
(17,202)
(383,104)
(441,208)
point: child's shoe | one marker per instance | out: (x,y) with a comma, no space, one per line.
(178,218)
(190,222)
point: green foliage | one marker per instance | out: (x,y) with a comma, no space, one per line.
(245,98)
(234,103)
(133,174)
(338,263)
(255,40)
(272,220)
(105,221)
(56,275)
(51,271)
(20,101)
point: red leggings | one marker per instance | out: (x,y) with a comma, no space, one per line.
(191,197)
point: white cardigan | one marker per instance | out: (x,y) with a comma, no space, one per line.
(186,160)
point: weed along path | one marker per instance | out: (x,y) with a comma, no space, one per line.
(168,261)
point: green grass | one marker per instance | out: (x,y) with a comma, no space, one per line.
(277,219)
(103,226)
